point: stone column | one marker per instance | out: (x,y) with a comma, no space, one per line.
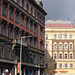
(15,69)
(19,34)
(24,21)
(20,18)
(33,26)
(39,71)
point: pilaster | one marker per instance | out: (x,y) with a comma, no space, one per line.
(7,28)
(8,11)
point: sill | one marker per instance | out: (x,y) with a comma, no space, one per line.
(11,18)
(4,15)
(17,22)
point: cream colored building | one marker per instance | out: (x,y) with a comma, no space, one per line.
(59,48)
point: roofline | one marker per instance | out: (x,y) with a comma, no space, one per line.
(38,7)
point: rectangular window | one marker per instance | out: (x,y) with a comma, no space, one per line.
(11,13)
(35,28)
(31,24)
(60,56)
(4,9)
(55,66)
(70,36)
(16,34)
(25,5)
(31,41)
(55,37)
(46,56)
(60,36)
(70,56)
(33,12)
(29,8)
(9,32)
(71,66)
(21,2)
(65,36)
(17,17)
(60,66)
(65,66)
(65,56)
(70,46)
(46,65)
(41,45)
(40,31)
(37,14)
(65,46)
(46,46)
(55,56)
(3,28)
(22,20)
(55,46)
(46,36)
(60,46)
(27,22)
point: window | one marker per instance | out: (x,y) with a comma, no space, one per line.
(46,56)
(35,28)
(55,37)
(31,24)
(33,12)
(55,66)
(60,56)
(3,26)
(55,56)
(46,46)
(46,65)
(65,56)
(11,13)
(9,32)
(40,31)
(70,46)
(37,14)
(27,22)
(25,4)
(35,43)
(46,36)
(65,46)
(31,41)
(60,66)
(71,66)
(21,2)
(16,34)
(22,20)
(65,36)
(65,66)
(70,36)
(55,46)
(4,9)
(70,56)
(60,46)
(17,17)
(29,8)
(60,36)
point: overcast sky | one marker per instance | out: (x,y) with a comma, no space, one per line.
(59,9)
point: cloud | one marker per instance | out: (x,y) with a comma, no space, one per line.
(59,9)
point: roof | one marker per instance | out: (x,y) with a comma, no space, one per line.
(58,24)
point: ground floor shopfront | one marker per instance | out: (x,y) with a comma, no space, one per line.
(11,69)
(60,72)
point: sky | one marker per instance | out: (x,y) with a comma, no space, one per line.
(59,9)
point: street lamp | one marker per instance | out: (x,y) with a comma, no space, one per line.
(21,50)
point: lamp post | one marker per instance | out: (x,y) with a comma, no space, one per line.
(21,50)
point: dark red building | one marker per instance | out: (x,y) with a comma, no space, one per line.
(22,18)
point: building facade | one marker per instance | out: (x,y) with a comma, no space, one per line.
(22,18)
(59,48)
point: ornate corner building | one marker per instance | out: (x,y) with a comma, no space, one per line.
(22,18)
(59,48)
